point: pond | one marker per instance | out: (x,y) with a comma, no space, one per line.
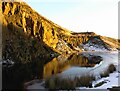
(78,64)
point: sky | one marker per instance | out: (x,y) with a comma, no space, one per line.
(99,16)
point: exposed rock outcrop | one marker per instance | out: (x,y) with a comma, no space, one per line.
(31,23)
(24,35)
(24,29)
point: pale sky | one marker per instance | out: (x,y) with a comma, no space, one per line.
(99,16)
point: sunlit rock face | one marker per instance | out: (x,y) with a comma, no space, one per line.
(24,36)
(29,22)
(24,28)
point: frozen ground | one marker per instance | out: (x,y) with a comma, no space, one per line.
(108,58)
(35,84)
(111,81)
(96,47)
(92,47)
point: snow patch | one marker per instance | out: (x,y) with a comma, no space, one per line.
(96,44)
(111,81)
(93,47)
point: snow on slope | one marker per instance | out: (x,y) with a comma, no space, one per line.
(96,44)
(93,47)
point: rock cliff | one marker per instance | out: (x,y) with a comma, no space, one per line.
(30,41)
(28,35)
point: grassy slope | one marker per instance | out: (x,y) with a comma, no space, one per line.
(114,43)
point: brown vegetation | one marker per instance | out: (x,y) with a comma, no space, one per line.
(68,83)
(111,68)
(82,81)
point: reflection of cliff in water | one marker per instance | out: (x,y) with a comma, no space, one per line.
(50,68)
(57,66)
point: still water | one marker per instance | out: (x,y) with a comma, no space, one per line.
(78,64)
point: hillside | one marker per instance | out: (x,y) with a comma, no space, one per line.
(27,34)
(30,40)
(114,43)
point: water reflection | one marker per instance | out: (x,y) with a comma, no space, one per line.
(51,68)
(60,64)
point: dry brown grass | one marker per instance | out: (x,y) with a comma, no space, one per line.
(58,83)
(111,68)
(84,81)
(68,83)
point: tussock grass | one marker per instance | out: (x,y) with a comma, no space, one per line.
(111,68)
(82,81)
(68,83)
(58,83)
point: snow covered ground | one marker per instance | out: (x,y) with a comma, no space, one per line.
(98,45)
(35,84)
(92,47)
(108,58)
(7,63)
(111,81)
